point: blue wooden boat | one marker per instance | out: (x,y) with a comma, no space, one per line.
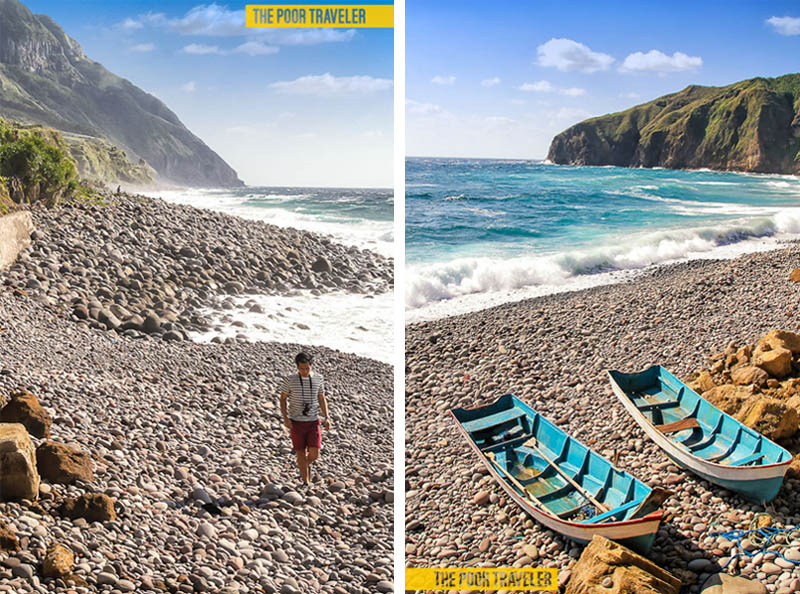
(559,481)
(700,437)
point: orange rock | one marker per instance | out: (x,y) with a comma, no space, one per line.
(770,417)
(628,572)
(58,562)
(776,362)
(795,275)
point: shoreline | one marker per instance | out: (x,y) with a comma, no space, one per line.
(143,267)
(552,351)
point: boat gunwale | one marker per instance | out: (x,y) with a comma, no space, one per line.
(639,416)
(655,516)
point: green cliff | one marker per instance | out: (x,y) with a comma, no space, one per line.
(45,78)
(753,125)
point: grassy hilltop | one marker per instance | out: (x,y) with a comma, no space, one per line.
(752,125)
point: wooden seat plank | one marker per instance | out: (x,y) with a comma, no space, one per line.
(682,425)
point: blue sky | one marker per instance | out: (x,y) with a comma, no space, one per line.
(501,79)
(298,107)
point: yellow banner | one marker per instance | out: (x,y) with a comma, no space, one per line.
(490,578)
(320,15)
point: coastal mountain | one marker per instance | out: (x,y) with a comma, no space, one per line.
(45,78)
(752,125)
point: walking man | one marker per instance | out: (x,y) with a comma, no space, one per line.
(302,404)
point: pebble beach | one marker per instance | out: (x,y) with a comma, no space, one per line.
(186,439)
(552,352)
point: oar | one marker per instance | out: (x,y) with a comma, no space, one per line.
(653,501)
(516,483)
(533,443)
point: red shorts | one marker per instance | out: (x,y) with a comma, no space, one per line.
(306,434)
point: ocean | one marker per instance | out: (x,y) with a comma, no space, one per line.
(480,232)
(353,323)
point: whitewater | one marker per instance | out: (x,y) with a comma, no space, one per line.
(352,323)
(484,232)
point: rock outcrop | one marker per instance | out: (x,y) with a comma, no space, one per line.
(757,384)
(18,476)
(606,567)
(59,562)
(45,78)
(752,125)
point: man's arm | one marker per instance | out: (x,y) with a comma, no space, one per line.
(286,420)
(323,408)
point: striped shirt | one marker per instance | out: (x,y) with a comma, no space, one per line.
(302,392)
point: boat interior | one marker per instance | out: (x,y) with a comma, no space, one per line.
(551,469)
(693,423)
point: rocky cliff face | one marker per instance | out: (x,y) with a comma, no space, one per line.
(45,78)
(753,125)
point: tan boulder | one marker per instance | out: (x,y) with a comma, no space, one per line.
(93,507)
(776,362)
(702,383)
(59,562)
(749,374)
(18,476)
(793,402)
(629,573)
(25,408)
(744,354)
(770,417)
(8,539)
(780,339)
(59,463)
(729,398)
(794,468)
(722,583)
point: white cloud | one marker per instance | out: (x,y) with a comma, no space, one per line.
(785,25)
(416,107)
(201,49)
(498,120)
(255,48)
(659,62)
(303,36)
(630,95)
(213,20)
(327,84)
(541,86)
(572,92)
(143,47)
(566,54)
(518,101)
(490,82)
(372,134)
(571,113)
(189,87)
(443,80)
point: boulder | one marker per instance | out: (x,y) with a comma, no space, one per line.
(728,398)
(794,468)
(770,417)
(322,264)
(703,383)
(722,583)
(15,236)
(794,275)
(59,562)
(93,507)
(777,362)
(749,374)
(8,539)
(18,476)
(25,408)
(628,572)
(59,463)
(780,339)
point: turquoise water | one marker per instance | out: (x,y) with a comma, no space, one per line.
(479,227)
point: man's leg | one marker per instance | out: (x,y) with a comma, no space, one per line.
(313,454)
(302,464)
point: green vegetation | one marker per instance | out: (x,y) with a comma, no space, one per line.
(34,166)
(752,125)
